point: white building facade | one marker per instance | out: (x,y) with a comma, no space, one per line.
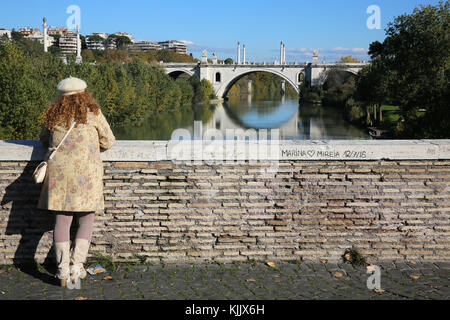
(5,32)
(144,46)
(174,45)
(68,44)
(93,41)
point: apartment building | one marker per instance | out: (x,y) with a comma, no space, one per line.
(111,44)
(174,45)
(52,31)
(40,38)
(35,34)
(97,41)
(144,46)
(28,31)
(68,44)
(124,34)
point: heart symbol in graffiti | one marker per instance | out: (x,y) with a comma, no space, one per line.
(311,153)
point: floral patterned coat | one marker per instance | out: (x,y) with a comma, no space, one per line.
(74,180)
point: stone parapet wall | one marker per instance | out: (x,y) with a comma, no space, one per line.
(167,211)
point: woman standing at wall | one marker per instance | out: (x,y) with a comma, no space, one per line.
(73,186)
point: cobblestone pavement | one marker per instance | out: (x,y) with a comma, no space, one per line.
(241,281)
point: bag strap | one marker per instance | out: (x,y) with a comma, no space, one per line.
(62,141)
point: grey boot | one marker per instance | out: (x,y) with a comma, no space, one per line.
(79,256)
(62,251)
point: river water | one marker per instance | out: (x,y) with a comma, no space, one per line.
(295,121)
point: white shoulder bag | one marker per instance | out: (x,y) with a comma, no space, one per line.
(41,170)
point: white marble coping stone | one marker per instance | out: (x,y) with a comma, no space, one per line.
(135,150)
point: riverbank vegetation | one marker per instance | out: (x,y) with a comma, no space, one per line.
(406,88)
(123,55)
(128,90)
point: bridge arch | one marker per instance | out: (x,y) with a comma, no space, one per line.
(223,90)
(175,73)
(325,74)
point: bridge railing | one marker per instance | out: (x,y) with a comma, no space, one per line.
(269,64)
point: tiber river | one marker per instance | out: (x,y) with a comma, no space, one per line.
(295,121)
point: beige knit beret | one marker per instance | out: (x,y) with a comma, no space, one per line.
(71,86)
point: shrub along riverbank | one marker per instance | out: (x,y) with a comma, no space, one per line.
(341,91)
(126,90)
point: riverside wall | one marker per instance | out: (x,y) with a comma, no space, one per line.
(195,202)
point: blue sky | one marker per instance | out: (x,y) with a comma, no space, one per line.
(333,27)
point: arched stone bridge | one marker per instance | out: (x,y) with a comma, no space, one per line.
(223,76)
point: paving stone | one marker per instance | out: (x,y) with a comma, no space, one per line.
(242,281)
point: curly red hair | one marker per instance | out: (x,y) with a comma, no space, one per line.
(65,109)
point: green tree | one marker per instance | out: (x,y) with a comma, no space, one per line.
(54,50)
(16,36)
(4,38)
(96,38)
(229,61)
(22,98)
(348,59)
(121,41)
(338,88)
(187,92)
(88,55)
(30,48)
(371,88)
(203,89)
(416,51)
(353,111)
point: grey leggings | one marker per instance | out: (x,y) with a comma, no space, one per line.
(61,232)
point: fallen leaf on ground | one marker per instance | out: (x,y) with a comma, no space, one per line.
(379,290)
(251,280)
(323,260)
(81,298)
(412,262)
(107,278)
(414,276)
(1,270)
(348,256)
(338,274)
(271,264)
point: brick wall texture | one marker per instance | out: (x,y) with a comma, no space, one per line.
(195,212)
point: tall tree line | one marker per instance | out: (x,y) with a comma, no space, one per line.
(411,68)
(127,91)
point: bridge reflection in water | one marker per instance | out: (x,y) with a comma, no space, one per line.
(294,121)
(304,122)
